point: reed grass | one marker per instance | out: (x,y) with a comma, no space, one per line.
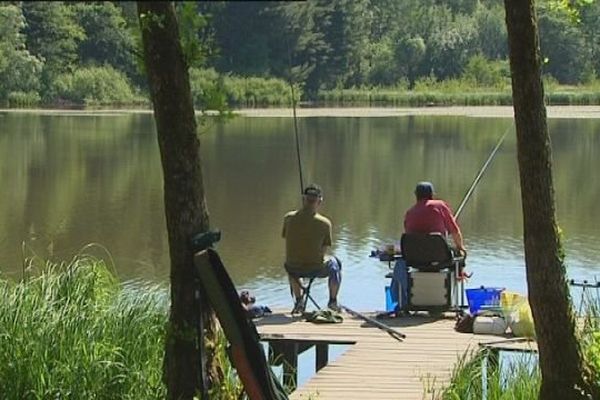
(73,331)
(518,379)
(453,93)
(23,99)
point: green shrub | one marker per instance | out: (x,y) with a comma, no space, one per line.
(92,86)
(23,99)
(487,73)
(211,90)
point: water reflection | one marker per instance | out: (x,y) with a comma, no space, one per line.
(72,180)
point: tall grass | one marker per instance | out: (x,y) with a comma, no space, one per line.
(518,379)
(75,332)
(23,99)
(590,330)
(453,92)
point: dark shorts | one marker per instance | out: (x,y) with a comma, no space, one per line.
(331,268)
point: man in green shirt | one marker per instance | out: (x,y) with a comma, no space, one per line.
(307,237)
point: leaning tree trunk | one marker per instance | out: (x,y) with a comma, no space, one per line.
(563,371)
(185,206)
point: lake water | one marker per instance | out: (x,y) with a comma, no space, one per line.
(71,180)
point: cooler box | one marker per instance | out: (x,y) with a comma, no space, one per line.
(483,297)
(429,289)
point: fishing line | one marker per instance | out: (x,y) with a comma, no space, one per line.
(481,172)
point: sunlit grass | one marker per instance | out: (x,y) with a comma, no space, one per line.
(73,331)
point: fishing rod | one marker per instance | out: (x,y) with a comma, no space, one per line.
(290,81)
(297,141)
(480,173)
(392,332)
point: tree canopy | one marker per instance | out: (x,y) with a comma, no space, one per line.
(328,44)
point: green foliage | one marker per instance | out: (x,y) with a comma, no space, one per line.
(563,45)
(302,46)
(322,46)
(451,45)
(409,53)
(347,37)
(492,40)
(212,91)
(382,71)
(53,35)
(94,86)
(107,37)
(192,26)
(19,70)
(485,73)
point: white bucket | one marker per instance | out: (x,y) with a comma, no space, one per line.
(489,325)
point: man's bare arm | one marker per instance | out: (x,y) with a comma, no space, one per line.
(458,241)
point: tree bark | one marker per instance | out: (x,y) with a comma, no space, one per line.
(185,207)
(564,375)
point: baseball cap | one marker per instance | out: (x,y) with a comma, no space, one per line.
(424,189)
(313,190)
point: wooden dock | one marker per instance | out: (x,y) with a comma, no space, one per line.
(375,366)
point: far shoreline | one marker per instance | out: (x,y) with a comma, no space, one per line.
(579,112)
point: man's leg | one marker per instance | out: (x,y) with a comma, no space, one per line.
(295,287)
(399,286)
(334,269)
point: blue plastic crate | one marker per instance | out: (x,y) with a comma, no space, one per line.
(390,305)
(483,297)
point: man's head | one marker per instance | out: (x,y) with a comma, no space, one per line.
(424,191)
(312,196)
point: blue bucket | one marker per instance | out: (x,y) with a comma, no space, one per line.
(483,297)
(390,305)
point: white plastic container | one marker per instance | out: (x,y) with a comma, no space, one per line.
(489,325)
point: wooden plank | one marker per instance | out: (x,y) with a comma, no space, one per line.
(377,366)
(309,339)
(322,356)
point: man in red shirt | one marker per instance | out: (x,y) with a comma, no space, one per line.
(429,215)
(426,216)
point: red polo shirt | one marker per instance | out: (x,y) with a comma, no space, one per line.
(429,216)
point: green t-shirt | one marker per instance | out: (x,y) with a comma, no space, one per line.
(306,234)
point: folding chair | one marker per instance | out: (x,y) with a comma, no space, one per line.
(435,283)
(305,289)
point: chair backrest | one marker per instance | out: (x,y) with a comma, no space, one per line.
(426,250)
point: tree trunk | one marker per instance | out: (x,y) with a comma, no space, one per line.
(563,370)
(185,206)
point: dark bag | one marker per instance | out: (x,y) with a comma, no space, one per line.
(464,324)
